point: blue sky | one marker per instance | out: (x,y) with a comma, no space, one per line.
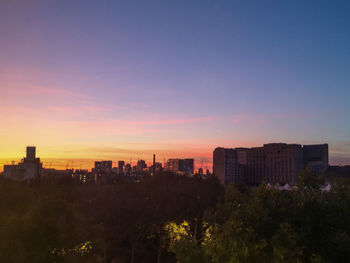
(176,76)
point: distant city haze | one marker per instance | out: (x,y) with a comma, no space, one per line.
(123,80)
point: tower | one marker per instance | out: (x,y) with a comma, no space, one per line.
(31,153)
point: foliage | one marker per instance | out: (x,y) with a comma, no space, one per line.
(169,218)
(264,224)
(50,221)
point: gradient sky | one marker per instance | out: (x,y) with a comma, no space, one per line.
(86,80)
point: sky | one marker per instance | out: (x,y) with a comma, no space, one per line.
(93,80)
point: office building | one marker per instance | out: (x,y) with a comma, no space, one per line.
(188,166)
(226,166)
(120,170)
(141,165)
(29,168)
(182,166)
(283,162)
(255,167)
(103,167)
(173,165)
(316,156)
(276,163)
(127,169)
(157,167)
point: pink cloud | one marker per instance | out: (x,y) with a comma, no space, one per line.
(239,118)
(50,113)
(57,92)
(40,90)
(139,123)
(80,110)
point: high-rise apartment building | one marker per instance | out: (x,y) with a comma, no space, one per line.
(185,166)
(127,169)
(226,166)
(316,156)
(255,168)
(283,162)
(173,165)
(188,166)
(141,165)
(120,169)
(272,163)
(103,167)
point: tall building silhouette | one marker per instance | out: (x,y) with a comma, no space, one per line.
(120,167)
(103,167)
(141,165)
(278,163)
(184,166)
(226,166)
(29,168)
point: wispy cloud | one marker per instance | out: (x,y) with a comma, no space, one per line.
(81,110)
(57,92)
(36,90)
(149,122)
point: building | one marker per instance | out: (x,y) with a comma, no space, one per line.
(256,163)
(188,166)
(54,173)
(276,163)
(83,176)
(29,168)
(103,167)
(157,167)
(127,169)
(141,165)
(120,170)
(173,165)
(102,172)
(283,162)
(335,171)
(226,166)
(183,166)
(316,156)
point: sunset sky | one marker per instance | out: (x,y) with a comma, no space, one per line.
(121,80)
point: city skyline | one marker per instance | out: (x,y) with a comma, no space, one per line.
(105,80)
(87,164)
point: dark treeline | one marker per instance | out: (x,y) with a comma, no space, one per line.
(63,221)
(171,218)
